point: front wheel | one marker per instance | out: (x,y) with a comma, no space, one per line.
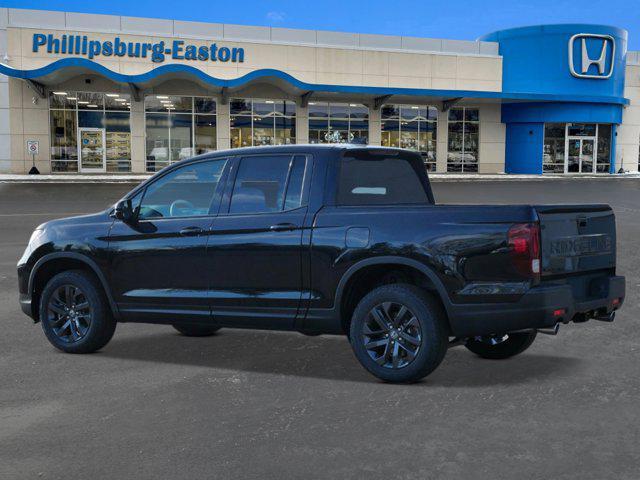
(498,347)
(74,313)
(195,330)
(398,333)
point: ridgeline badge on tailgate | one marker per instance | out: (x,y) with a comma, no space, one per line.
(579,245)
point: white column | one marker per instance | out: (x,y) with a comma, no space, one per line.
(138,137)
(302,124)
(491,152)
(441,146)
(5,119)
(375,127)
(222,126)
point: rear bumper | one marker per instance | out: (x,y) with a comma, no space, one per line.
(535,309)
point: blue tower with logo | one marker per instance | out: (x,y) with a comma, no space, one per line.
(581,66)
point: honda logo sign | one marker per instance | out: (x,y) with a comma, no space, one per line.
(595,56)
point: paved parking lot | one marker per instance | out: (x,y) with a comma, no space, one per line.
(246,404)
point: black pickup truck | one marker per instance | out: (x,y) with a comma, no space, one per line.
(322,240)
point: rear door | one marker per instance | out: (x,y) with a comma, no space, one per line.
(255,250)
(577,238)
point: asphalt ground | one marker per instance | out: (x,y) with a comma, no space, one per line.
(254,404)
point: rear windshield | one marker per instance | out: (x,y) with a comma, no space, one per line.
(375,179)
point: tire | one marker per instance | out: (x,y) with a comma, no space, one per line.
(75,314)
(421,329)
(514,344)
(195,330)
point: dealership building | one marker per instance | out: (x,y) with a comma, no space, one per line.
(84,93)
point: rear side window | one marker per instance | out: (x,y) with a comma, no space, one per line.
(269,183)
(380,180)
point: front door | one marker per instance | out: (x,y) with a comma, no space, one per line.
(580,155)
(255,252)
(91,150)
(158,260)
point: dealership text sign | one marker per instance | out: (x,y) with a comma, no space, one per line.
(157,52)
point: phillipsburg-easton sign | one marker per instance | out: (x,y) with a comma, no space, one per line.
(157,52)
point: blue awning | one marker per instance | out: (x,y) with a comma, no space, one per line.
(64,69)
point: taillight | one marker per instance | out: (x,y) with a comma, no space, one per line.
(524,243)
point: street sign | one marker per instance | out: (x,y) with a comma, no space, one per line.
(33,147)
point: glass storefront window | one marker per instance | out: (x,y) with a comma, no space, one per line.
(573,148)
(413,127)
(603,157)
(553,149)
(338,123)
(255,122)
(464,139)
(178,127)
(64,143)
(582,130)
(70,111)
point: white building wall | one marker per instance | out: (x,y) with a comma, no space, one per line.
(628,139)
(5,117)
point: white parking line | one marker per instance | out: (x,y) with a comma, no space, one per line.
(61,214)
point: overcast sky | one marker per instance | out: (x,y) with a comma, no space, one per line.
(454,19)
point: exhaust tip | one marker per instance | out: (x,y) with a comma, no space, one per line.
(609,317)
(549,331)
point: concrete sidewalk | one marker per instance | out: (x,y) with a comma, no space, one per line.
(436,177)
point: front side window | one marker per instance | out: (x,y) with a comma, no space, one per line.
(178,127)
(269,183)
(338,123)
(412,127)
(380,180)
(185,192)
(464,139)
(255,122)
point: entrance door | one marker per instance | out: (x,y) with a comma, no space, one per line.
(91,150)
(580,155)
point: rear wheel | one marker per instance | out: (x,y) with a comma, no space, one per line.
(74,313)
(497,347)
(398,333)
(195,330)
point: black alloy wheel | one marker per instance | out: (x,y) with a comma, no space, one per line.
(399,333)
(392,335)
(75,314)
(69,313)
(499,347)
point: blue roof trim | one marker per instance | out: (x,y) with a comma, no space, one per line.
(263,73)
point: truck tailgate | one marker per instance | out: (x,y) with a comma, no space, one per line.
(576,238)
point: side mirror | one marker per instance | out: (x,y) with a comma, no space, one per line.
(123,211)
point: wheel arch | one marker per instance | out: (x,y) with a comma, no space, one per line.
(64,261)
(358,268)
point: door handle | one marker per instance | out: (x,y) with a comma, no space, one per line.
(281,227)
(191,231)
